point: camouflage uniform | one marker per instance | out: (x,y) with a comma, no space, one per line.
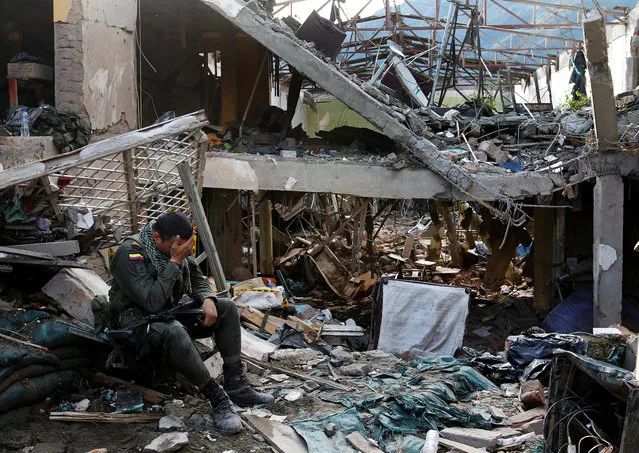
(137,291)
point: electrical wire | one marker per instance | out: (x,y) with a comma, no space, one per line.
(590,437)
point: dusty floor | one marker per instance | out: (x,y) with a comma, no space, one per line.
(58,437)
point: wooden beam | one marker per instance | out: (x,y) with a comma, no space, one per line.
(59,215)
(543,258)
(104,417)
(203,228)
(129,174)
(149,395)
(266,234)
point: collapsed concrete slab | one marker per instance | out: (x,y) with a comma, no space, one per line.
(279,39)
(74,289)
(238,171)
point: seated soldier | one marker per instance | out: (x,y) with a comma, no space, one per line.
(151,272)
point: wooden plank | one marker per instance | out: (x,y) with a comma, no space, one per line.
(266,235)
(26,71)
(359,443)
(330,330)
(61,248)
(310,333)
(54,199)
(255,347)
(149,395)
(104,417)
(134,203)
(256,317)
(281,437)
(203,227)
(408,246)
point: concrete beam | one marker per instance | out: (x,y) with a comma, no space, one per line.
(253,172)
(603,100)
(608,250)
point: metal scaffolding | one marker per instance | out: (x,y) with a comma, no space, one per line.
(462,44)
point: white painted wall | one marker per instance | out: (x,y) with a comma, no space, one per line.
(623,47)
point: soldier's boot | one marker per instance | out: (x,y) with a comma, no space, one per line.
(237,390)
(224,416)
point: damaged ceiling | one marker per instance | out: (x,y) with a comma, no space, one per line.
(407,127)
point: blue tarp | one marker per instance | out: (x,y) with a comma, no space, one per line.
(318,442)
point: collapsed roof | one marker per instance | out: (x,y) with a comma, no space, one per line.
(396,120)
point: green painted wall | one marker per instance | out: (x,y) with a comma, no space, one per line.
(331,114)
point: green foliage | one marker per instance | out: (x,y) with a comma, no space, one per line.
(577,102)
(487,102)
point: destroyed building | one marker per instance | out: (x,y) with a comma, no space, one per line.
(428,239)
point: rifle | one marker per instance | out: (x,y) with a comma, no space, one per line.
(190,314)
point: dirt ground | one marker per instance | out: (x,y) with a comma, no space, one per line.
(43,436)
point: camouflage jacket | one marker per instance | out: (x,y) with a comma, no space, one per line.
(137,290)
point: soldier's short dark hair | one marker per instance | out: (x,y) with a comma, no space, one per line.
(173,223)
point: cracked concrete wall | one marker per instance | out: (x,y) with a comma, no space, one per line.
(96,60)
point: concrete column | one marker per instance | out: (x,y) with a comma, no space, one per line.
(608,250)
(603,100)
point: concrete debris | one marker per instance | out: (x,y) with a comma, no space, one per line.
(295,357)
(310,386)
(169,442)
(342,354)
(294,395)
(478,438)
(356,369)
(278,377)
(510,389)
(172,423)
(74,289)
(330,429)
(534,426)
(361,444)
(214,365)
(525,417)
(178,409)
(531,393)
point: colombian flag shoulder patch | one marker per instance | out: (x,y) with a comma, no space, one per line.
(135,257)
